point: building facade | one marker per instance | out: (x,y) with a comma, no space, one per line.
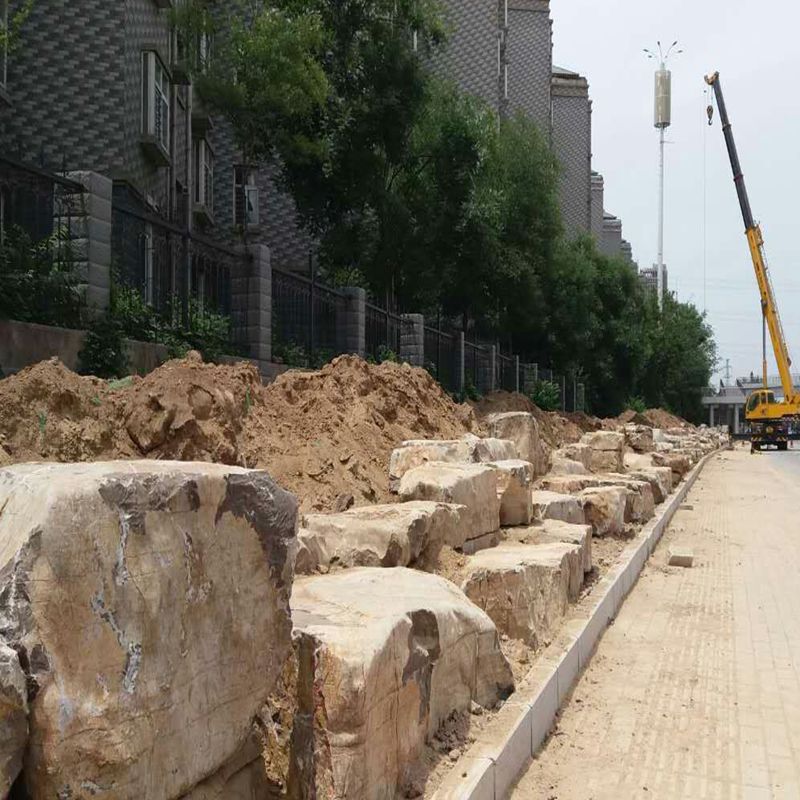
(120,103)
(572,145)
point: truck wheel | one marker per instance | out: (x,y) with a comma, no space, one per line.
(782,447)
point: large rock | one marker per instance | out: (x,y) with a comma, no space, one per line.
(678,463)
(396,535)
(522,428)
(659,478)
(514,480)
(525,589)
(151,600)
(639,438)
(576,451)
(551,505)
(13,716)
(386,656)
(607,451)
(470,485)
(567,484)
(604,507)
(640,504)
(469,450)
(567,466)
(553,530)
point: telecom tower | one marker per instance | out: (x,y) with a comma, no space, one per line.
(663,119)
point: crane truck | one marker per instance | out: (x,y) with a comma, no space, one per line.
(769,420)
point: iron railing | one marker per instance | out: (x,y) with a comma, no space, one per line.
(506,373)
(440,357)
(477,367)
(383,331)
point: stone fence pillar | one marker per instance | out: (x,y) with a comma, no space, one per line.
(251,303)
(353,321)
(412,340)
(89,235)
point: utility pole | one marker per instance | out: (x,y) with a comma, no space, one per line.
(663,119)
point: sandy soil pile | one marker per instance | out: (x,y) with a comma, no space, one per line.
(654,418)
(319,434)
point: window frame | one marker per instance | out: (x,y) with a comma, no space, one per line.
(156,90)
(203,167)
(244,189)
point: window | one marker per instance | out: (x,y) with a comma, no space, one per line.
(245,198)
(204,176)
(155,101)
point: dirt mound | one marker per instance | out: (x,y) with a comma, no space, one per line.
(49,413)
(659,418)
(320,434)
(502,401)
(327,433)
(586,423)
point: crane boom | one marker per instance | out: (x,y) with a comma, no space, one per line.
(755,240)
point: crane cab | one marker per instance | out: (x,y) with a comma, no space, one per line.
(768,421)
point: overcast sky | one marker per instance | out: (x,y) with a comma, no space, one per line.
(755,48)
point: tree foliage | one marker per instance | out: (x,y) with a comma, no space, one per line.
(412,187)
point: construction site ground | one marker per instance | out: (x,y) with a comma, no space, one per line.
(694,691)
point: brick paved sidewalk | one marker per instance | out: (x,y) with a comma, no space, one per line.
(694,692)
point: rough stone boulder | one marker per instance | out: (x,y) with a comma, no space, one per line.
(551,505)
(470,485)
(576,452)
(659,478)
(525,589)
(567,484)
(639,438)
(604,507)
(151,603)
(606,450)
(522,428)
(678,463)
(640,505)
(397,535)
(386,655)
(469,450)
(13,716)
(514,480)
(567,466)
(553,530)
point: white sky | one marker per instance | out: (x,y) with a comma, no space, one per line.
(754,45)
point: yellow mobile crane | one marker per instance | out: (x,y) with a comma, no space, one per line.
(769,420)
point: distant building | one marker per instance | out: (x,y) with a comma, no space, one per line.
(598,192)
(611,241)
(649,278)
(572,145)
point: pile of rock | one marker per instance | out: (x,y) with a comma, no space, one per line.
(140,598)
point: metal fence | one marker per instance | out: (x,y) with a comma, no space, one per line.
(440,358)
(506,373)
(477,367)
(383,329)
(305,318)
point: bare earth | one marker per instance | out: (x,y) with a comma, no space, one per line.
(694,692)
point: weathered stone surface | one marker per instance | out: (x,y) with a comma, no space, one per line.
(522,428)
(659,478)
(525,589)
(551,505)
(470,485)
(396,535)
(553,530)
(566,466)
(679,464)
(147,596)
(514,480)
(604,508)
(639,438)
(640,505)
(607,449)
(13,716)
(567,484)
(576,452)
(469,450)
(386,656)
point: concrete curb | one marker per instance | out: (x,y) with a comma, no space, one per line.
(491,766)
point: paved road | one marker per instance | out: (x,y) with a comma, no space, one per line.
(694,692)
